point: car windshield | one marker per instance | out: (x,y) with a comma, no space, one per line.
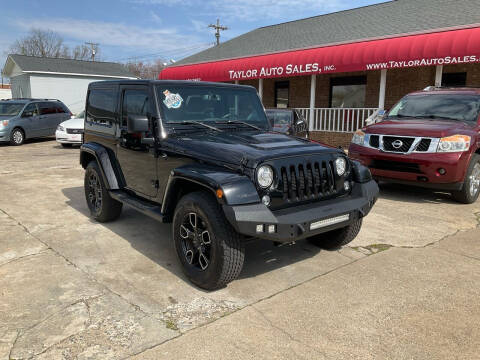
(457,107)
(279,118)
(211,105)
(10,109)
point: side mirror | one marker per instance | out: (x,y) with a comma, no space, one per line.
(137,123)
(27,114)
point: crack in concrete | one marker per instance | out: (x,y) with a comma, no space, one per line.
(13,345)
(89,276)
(24,256)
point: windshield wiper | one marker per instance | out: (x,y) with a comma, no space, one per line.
(194,122)
(238,122)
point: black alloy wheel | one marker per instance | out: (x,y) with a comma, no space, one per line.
(196,242)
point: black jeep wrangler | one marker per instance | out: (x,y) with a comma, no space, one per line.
(204,157)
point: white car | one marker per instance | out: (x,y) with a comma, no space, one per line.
(71,131)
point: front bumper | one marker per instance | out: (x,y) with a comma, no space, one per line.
(64,138)
(4,136)
(294,223)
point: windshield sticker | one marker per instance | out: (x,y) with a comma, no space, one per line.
(172,101)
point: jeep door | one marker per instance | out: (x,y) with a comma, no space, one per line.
(30,121)
(137,160)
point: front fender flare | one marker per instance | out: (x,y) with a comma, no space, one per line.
(105,162)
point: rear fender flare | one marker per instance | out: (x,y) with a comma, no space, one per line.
(106,162)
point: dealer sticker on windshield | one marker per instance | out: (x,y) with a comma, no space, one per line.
(172,101)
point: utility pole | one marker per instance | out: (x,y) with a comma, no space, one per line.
(217,28)
(93,47)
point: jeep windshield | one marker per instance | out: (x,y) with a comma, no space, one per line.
(10,109)
(456,107)
(212,105)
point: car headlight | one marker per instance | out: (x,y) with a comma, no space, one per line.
(265,176)
(455,143)
(60,128)
(358,137)
(340,166)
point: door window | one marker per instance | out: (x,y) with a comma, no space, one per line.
(31,108)
(47,108)
(135,102)
(101,105)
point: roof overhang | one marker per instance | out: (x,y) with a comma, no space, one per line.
(459,46)
(80,74)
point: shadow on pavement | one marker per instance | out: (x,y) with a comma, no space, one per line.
(154,240)
(412,194)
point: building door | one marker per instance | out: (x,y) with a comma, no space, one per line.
(137,160)
(282,94)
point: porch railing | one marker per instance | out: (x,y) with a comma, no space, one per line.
(337,119)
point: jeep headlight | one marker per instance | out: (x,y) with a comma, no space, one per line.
(265,176)
(60,128)
(455,143)
(358,137)
(340,166)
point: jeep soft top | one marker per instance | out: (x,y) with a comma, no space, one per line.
(203,156)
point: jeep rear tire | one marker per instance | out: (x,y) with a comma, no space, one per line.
(210,251)
(471,185)
(337,238)
(102,206)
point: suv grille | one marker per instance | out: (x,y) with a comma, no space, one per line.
(375,141)
(307,181)
(397,144)
(424,145)
(74,131)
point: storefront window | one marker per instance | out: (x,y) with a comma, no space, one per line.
(454,79)
(348,92)
(281,94)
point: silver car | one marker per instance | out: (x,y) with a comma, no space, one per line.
(22,119)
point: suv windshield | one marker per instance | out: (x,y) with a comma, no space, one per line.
(211,104)
(458,107)
(10,109)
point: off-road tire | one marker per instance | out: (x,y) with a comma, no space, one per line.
(465,196)
(17,137)
(108,209)
(337,238)
(226,249)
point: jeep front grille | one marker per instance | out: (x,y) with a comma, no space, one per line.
(308,181)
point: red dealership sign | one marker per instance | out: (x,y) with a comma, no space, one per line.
(441,48)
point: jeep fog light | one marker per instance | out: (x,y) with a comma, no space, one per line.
(346,186)
(260,228)
(265,176)
(266,200)
(271,229)
(340,166)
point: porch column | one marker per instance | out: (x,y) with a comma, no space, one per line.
(383,85)
(438,75)
(260,88)
(313,87)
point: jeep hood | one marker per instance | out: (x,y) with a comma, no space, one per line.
(419,127)
(246,148)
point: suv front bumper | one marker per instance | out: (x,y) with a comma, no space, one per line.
(303,221)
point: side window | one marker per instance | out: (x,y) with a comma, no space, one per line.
(31,108)
(59,108)
(101,106)
(135,102)
(47,108)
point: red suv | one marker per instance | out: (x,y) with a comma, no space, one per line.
(429,138)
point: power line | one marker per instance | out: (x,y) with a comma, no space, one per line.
(218,28)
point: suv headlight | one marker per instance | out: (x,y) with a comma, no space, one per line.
(265,176)
(60,128)
(3,123)
(340,166)
(358,137)
(455,143)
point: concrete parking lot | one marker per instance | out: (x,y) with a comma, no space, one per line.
(406,288)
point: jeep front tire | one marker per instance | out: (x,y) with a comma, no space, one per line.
(102,206)
(210,251)
(337,238)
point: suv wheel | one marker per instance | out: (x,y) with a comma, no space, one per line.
(210,251)
(17,137)
(471,186)
(102,206)
(339,237)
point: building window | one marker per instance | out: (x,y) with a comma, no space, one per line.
(454,79)
(281,94)
(348,92)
